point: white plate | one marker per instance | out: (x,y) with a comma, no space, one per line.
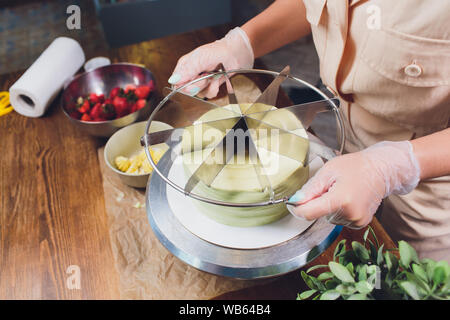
(209,230)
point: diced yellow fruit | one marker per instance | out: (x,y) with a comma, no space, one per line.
(122,163)
(138,164)
(146,166)
(136,160)
(142,156)
(134,167)
(156,154)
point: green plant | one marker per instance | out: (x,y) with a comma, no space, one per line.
(368,272)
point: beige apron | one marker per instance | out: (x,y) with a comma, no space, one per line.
(389,62)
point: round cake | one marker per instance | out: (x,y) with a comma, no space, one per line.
(239,181)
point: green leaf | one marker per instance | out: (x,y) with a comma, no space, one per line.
(330,295)
(429,267)
(362,274)
(410,288)
(419,271)
(364,287)
(316,267)
(325,276)
(366,234)
(380,259)
(341,272)
(306,294)
(308,280)
(391,261)
(373,251)
(422,286)
(345,289)
(444,264)
(312,282)
(340,249)
(407,254)
(439,275)
(427,261)
(360,251)
(349,267)
(332,284)
(347,257)
(357,296)
(318,284)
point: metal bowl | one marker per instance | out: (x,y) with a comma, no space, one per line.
(101,81)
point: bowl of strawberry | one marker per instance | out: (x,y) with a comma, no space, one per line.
(103,100)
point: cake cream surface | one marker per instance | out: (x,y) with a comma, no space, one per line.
(238,181)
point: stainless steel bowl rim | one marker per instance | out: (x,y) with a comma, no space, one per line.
(75,77)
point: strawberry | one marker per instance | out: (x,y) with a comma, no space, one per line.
(85,107)
(141,103)
(133,108)
(96,112)
(86,117)
(93,99)
(129,87)
(108,111)
(120,105)
(131,96)
(114,92)
(142,92)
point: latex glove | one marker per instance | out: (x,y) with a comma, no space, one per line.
(234,51)
(348,189)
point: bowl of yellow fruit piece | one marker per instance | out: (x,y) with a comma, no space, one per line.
(125,155)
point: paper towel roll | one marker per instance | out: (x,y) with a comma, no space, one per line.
(35,90)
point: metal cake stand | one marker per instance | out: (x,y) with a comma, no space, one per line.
(228,262)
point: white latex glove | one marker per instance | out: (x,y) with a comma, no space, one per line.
(234,51)
(348,189)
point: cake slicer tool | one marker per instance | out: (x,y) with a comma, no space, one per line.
(270,94)
(210,168)
(208,171)
(256,116)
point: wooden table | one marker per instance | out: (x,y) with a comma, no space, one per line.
(52,210)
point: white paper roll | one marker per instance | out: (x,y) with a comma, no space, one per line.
(35,90)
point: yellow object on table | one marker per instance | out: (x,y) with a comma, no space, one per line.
(5,105)
(138,163)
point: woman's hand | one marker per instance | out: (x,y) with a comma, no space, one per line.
(349,189)
(234,51)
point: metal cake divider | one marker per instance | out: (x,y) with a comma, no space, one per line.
(230,90)
(207,172)
(251,119)
(209,169)
(186,101)
(270,94)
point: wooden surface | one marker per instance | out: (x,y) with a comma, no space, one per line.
(52,210)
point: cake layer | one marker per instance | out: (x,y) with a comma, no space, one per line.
(238,181)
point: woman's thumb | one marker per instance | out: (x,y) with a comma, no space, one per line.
(315,187)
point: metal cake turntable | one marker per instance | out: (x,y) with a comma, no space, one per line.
(239,252)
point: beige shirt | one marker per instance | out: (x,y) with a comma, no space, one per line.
(389,62)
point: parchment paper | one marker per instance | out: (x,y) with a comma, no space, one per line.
(147,270)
